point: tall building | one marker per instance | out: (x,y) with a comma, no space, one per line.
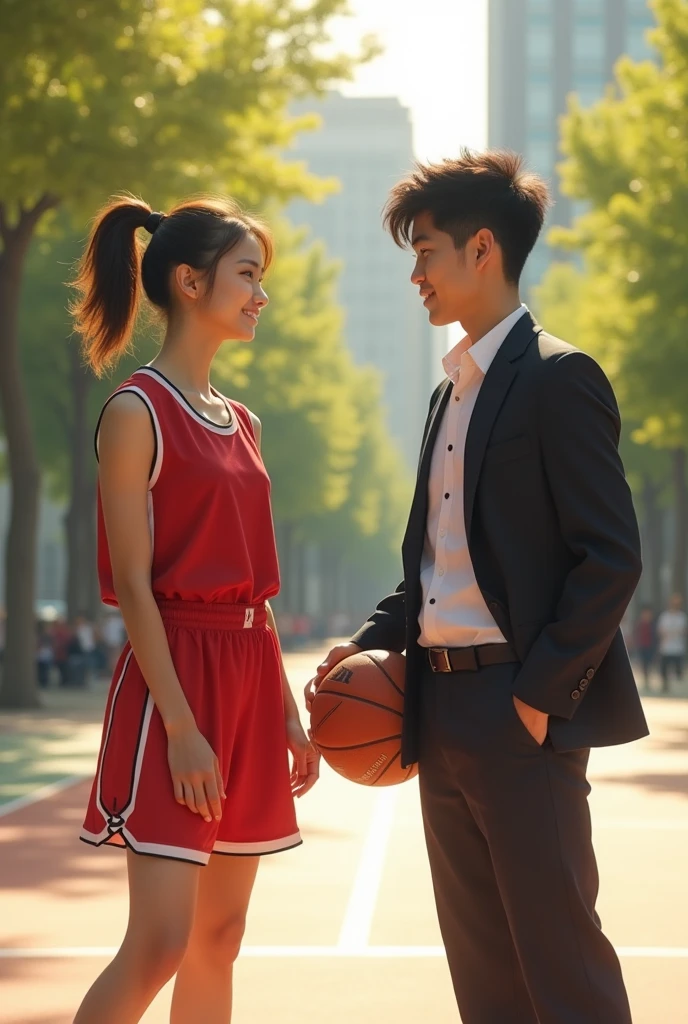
(366,143)
(540,51)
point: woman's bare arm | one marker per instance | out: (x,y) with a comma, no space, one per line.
(126,450)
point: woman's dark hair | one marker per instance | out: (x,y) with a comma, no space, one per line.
(479,190)
(115,266)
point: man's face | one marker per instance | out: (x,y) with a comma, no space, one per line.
(447,280)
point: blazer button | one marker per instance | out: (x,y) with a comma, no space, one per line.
(575,694)
(590,673)
(583,685)
(494,607)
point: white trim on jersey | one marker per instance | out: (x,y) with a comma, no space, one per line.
(196,416)
(157,465)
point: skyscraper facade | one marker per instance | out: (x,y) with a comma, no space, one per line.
(541,51)
(366,144)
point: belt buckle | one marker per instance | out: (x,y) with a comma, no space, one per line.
(447,663)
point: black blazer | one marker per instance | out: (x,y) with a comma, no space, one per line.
(552,535)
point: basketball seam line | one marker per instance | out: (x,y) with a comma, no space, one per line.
(325,717)
(363,700)
(362,746)
(385,673)
(387,767)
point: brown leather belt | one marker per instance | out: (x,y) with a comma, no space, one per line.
(469,659)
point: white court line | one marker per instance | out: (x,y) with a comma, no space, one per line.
(333,952)
(359,912)
(42,793)
(640,825)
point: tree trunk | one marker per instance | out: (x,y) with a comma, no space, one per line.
(653,543)
(19,667)
(80,518)
(678,458)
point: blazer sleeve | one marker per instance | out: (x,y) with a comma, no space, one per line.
(386,628)
(579,436)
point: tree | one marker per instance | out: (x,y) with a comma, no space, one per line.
(628,158)
(163,98)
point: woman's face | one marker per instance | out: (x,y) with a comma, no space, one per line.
(232,308)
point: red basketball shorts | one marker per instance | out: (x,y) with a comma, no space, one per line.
(227,660)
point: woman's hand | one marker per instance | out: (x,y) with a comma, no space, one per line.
(306,759)
(195,772)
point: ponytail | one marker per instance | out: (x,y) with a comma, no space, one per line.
(108,282)
(115,270)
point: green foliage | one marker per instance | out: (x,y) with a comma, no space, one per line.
(628,156)
(161,98)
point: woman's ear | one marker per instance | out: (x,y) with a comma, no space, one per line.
(187,281)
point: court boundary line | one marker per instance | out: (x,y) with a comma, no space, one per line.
(320,952)
(42,793)
(360,910)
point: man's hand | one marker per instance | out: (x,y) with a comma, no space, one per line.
(535,721)
(336,655)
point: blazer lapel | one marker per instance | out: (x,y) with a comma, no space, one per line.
(415,531)
(495,387)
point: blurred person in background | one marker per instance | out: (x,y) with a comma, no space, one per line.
(114,637)
(645,642)
(187,552)
(672,630)
(79,661)
(45,657)
(62,639)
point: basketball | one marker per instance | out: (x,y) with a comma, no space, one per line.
(356,718)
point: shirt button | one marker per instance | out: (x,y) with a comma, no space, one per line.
(447,494)
(450,448)
(441,572)
(432,600)
(443,533)
(456,398)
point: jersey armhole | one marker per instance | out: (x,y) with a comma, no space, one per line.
(256,428)
(156,464)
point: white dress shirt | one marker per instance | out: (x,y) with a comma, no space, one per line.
(453,612)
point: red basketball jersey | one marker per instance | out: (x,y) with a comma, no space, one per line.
(208,503)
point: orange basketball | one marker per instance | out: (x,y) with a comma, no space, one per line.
(356,718)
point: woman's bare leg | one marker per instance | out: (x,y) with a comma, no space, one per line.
(162,902)
(203,989)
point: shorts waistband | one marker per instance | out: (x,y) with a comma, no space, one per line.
(213,615)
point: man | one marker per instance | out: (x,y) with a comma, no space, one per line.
(671,630)
(520,557)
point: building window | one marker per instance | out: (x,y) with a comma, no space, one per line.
(589,43)
(589,92)
(540,156)
(540,44)
(539,102)
(637,45)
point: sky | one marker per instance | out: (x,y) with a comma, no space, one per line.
(435,62)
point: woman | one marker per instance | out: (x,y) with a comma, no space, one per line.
(193,768)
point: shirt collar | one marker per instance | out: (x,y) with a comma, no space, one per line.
(482,353)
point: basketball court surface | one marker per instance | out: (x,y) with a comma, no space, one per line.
(342,929)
